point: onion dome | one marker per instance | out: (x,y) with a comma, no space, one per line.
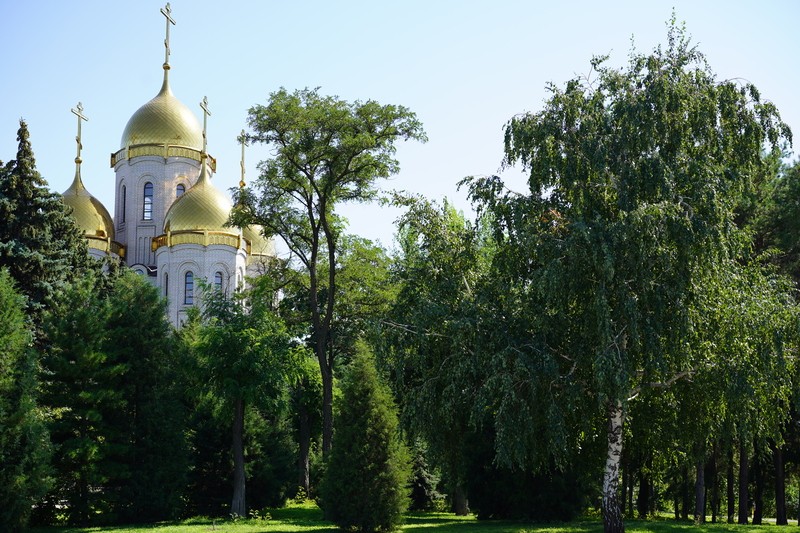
(259,245)
(163,120)
(90,215)
(201,208)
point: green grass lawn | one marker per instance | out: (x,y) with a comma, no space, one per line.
(308,519)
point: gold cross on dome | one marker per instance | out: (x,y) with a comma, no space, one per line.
(167,12)
(78,112)
(242,141)
(206,114)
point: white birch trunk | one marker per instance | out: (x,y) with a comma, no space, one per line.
(612,515)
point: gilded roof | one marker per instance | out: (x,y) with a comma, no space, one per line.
(163,120)
(203,207)
(259,245)
(90,215)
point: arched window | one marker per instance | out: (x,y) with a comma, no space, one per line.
(124,197)
(147,213)
(166,284)
(218,281)
(179,190)
(188,289)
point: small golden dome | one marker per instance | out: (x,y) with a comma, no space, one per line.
(90,215)
(163,120)
(203,207)
(259,245)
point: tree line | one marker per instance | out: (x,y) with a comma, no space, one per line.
(622,335)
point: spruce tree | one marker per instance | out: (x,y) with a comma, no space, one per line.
(24,447)
(82,388)
(151,455)
(366,482)
(112,383)
(39,243)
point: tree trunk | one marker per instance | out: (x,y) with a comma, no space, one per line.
(304,438)
(625,481)
(327,407)
(643,498)
(714,471)
(238,507)
(780,487)
(731,482)
(612,517)
(686,494)
(744,503)
(700,493)
(631,478)
(460,502)
(758,496)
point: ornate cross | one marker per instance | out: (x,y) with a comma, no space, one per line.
(242,141)
(206,114)
(167,12)
(78,111)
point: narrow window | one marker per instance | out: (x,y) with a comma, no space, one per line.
(124,198)
(166,284)
(179,190)
(218,281)
(148,201)
(188,289)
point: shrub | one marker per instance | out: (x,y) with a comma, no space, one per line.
(366,482)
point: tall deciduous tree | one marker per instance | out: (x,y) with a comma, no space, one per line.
(777,223)
(244,350)
(24,446)
(429,334)
(635,175)
(327,152)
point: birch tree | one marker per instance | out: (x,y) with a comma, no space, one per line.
(634,177)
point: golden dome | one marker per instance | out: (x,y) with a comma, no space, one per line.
(259,245)
(163,120)
(90,215)
(203,207)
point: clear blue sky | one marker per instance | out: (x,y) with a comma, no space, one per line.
(465,67)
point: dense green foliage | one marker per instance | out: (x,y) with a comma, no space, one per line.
(326,152)
(643,291)
(116,417)
(39,243)
(244,356)
(635,178)
(365,484)
(24,450)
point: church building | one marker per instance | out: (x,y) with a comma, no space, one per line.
(170,221)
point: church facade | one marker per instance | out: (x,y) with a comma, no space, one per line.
(170,221)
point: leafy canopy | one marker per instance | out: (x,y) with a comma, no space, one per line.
(634,179)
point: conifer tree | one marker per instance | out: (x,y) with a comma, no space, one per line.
(24,448)
(39,242)
(81,389)
(118,422)
(366,483)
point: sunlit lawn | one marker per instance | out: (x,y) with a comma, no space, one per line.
(308,518)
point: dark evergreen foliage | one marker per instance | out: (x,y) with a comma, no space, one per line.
(39,243)
(366,482)
(424,481)
(153,453)
(24,447)
(117,424)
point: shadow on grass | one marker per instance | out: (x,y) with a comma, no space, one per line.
(449,523)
